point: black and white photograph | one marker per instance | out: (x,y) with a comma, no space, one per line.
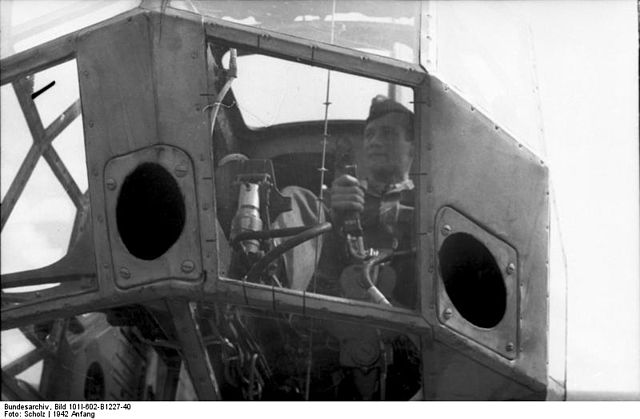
(318,200)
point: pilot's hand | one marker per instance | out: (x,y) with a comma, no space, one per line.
(347,194)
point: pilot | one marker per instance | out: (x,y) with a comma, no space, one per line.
(383,198)
(382,195)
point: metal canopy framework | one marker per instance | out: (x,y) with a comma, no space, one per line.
(41,147)
(89,277)
(64,48)
(363,25)
(82,290)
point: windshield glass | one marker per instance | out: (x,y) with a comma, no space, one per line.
(388,28)
(285,85)
(27,23)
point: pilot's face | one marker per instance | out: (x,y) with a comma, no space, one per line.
(388,150)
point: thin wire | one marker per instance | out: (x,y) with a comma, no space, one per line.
(325,135)
(322,169)
(542,143)
(565,266)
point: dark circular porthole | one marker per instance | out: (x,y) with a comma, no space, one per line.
(94,383)
(472,280)
(150,212)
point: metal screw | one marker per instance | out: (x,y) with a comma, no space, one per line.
(511,268)
(509,347)
(447,314)
(111,184)
(445,230)
(180,170)
(124,273)
(188,266)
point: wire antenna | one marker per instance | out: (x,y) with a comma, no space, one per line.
(323,170)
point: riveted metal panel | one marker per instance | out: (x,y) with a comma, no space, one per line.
(471,165)
(182,92)
(143,84)
(501,338)
(118,106)
(130,270)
